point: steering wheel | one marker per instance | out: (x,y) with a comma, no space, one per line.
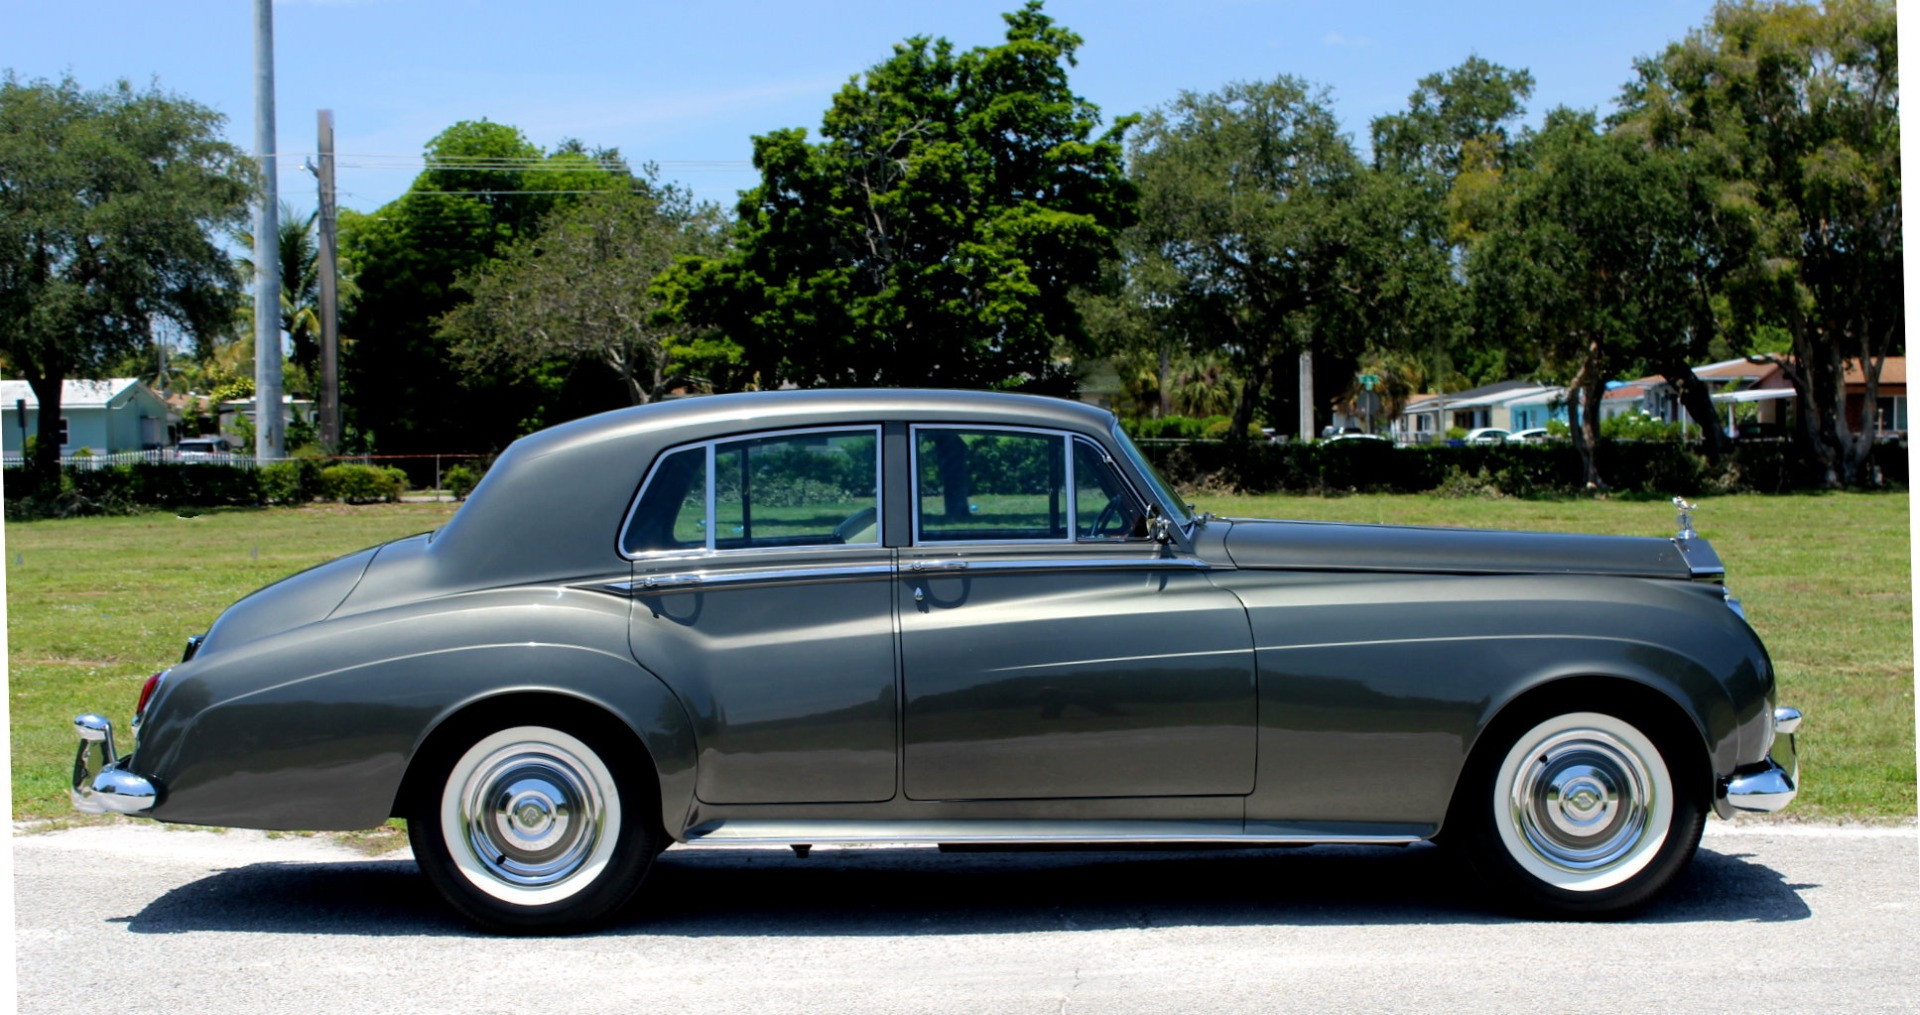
(858,528)
(1112,512)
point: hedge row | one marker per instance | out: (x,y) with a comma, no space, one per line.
(125,488)
(1521,470)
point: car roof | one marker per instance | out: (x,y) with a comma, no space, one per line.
(578,479)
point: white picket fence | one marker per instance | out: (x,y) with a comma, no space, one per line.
(157,456)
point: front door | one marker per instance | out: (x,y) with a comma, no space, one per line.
(1048,647)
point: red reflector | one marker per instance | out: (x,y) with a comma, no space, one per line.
(146,693)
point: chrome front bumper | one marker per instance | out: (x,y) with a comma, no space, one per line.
(115,790)
(1770,785)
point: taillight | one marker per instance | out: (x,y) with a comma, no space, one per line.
(146,695)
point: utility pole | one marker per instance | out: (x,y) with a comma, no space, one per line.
(329,294)
(1306,396)
(267,443)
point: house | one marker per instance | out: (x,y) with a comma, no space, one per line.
(232,411)
(1765,387)
(1890,408)
(1427,418)
(105,417)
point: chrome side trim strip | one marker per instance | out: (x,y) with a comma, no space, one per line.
(745,833)
(1092,564)
(693,581)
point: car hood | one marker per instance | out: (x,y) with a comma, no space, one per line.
(294,601)
(1336,546)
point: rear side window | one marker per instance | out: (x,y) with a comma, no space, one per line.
(815,488)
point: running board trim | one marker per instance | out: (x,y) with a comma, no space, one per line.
(1252,833)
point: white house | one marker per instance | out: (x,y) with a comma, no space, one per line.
(105,417)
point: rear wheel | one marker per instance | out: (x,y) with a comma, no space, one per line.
(534,829)
(1580,814)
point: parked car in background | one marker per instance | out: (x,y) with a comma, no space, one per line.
(1359,436)
(202,449)
(1486,435)
(806,617)
(1536,435)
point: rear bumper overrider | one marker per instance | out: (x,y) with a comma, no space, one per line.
(115,789)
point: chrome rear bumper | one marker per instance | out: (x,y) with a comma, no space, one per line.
(1772,784)
(115,790)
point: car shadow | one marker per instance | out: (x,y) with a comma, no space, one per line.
(901,891)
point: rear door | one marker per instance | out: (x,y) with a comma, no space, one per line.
(763,597)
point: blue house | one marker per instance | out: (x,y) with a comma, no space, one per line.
(105,417)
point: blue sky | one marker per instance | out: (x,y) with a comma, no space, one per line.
(688,84)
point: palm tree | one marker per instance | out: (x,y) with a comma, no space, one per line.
(299,287)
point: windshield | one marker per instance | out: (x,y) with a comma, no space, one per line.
(1161,491)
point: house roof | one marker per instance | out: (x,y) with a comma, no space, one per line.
(73,394)
(1892,371)
(1486,394)
(1734,369)
(1631,389)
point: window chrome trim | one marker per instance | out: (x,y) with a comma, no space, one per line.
(913,480)
(697,581)
(633,508)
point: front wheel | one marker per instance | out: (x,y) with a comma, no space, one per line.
(530,829)
(1580,816)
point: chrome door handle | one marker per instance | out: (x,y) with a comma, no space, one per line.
(655,581)
(938,565)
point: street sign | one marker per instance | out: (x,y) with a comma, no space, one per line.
(1367,381)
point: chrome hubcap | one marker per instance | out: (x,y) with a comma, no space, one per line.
(531,814)
(1582,801)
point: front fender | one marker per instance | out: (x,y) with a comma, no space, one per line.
(1375,688)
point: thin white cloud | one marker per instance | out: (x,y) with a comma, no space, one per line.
(1338,39)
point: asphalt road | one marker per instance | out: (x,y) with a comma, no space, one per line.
(141,918)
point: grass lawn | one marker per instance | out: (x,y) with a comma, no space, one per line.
(95,605)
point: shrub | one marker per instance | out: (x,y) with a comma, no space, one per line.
(460,480)
(361,484)
(280,484)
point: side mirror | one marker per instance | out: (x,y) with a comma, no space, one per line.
(1159,525)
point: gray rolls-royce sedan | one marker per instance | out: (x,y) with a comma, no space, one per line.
(959,618)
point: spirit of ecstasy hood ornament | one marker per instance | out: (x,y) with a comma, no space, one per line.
(1685,520)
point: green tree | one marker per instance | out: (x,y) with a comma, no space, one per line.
(1252,198)
(1595,266)
(485,186)
(581,291)
(936,233)
(299,295)
(1436,166)
(1794,109)
(109,204)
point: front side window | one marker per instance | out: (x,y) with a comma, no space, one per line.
(819,488)
(992,485)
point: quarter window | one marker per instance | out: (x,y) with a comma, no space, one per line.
(797,489)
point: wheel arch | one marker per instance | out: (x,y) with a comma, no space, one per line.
(1658,709)
(658,751)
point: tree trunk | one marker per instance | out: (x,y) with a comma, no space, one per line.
(1249,395)
(43,469)
(1698,401)
(1583,416)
